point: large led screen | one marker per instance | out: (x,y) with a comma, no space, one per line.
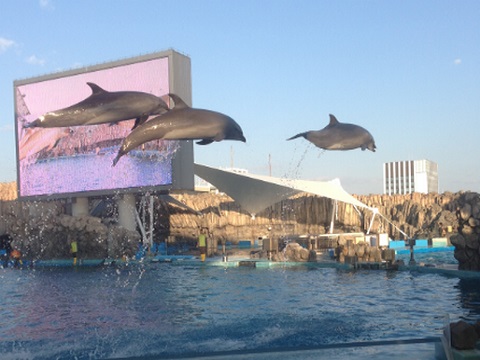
(67,160)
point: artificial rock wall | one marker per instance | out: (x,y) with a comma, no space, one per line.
(42,230)
(467,240)
(43,227)
(415,215)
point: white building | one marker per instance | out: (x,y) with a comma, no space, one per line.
(406,177)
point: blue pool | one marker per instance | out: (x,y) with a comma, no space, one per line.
(161,310)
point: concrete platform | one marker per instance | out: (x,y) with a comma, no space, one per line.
(427,348)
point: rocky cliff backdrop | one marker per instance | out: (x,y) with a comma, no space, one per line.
(43,229)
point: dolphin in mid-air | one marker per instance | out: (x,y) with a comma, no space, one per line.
(339,136)
(104,107)
(183,123)
(36,140)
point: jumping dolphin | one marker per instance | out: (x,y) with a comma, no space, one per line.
(104,107)
(35,140)
(340,136)
(183,123)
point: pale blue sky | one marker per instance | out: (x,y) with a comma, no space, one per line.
(408,71)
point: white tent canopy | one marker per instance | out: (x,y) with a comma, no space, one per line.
(255,193)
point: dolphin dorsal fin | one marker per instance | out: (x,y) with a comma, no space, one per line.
(179,103)
(333,120)
(96,89)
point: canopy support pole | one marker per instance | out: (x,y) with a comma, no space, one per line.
(334,213)
(375,211)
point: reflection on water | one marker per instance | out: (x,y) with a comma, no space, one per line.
(183,309)
(469,297)
(437,258)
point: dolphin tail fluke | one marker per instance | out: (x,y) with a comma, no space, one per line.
(298,135)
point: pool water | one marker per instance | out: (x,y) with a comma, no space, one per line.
(439,256)
(184,309)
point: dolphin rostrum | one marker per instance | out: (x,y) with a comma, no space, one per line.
(183,123)
(339,136)
(104,107)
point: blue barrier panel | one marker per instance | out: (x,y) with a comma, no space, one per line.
(421,243)
(244,244)
(228,246)
(396,244)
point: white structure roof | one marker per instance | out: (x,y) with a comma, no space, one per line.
(255,193)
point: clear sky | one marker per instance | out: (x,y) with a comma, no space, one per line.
(408,71)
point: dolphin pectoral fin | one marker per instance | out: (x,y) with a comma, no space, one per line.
(113,123)
(54,145)
(139,121)
(204,142)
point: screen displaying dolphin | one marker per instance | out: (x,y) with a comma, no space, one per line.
(339,136)
(64,153)
(104,107)
(183,123)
